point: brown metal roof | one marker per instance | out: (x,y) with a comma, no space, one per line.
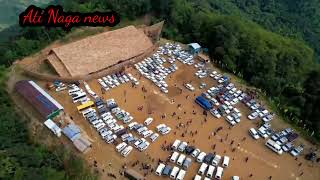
(37,97)
(100,51)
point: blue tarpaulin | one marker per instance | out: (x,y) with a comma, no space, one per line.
(72,132)
(203,103)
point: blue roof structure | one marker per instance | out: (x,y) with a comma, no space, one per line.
(203,102)
(72,132)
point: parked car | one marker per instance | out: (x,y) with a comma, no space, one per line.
(195,153)
(190,87)
(254,133)
(287,147)
(215,113)
(230,120)
(174,157)
(182,146)
(208,158)
(148,121)
(201,156)
(263,132)
(154,137)
(187,163)
(189,149)
(274,146)
(216,160)
(160,169)
(167,170)
(165,130)
(121,146)
(297,151)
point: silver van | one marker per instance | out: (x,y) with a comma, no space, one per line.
(187,163)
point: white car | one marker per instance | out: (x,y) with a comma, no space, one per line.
(215,102)
(121,146)
(131,125)
(160,126)
(164,90)
(126,151)
(138,142)
(237,112)
(110,139)
(146,134)
(215,113)
(144,146)
(254,133)
(235,178)
(100,125)
(216,160)
(127,119)
(263,113)
(253,115)
(126,136)
(148,121)
(190,87)
(263,132)
(165,130)
(230,120)
(142,129)
(221,80)
(154,137)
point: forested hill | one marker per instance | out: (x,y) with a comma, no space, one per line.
(9,15)
(299,19)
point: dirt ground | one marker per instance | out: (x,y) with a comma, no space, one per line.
(262,162)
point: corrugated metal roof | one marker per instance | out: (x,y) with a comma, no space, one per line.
(46,95)
(194,45)
(37,97)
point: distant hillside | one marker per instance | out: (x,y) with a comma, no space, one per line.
(299,19)
(10,9)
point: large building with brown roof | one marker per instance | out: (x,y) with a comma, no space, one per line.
(99,52)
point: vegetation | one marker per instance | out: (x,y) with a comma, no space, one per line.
(20,158)
(292,18)
(9,13)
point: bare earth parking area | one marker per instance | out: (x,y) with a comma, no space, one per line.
(261,163)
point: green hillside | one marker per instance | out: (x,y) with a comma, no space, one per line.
(292,18)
